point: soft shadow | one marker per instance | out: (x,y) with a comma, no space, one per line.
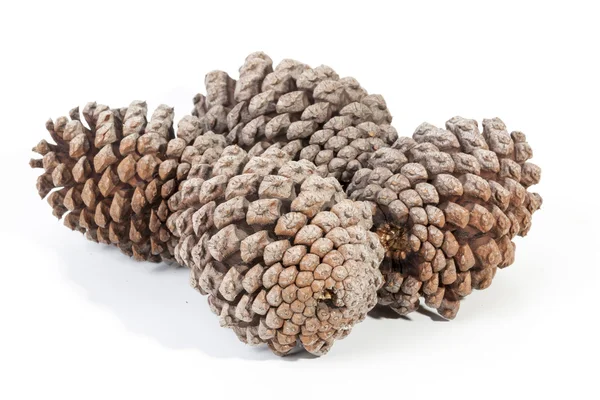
(299,354)
(156,301)
(432,315)
(383,312)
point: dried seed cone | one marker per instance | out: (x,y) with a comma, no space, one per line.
(449,202)
(113,179)
(282,255)
(337,122)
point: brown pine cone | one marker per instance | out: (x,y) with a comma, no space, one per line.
(283,256)
(449,203)
(113,180)
(338,123)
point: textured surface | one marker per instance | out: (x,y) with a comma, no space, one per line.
(338,123)
(112,178)
(115,175)
(283,256)
(449,201)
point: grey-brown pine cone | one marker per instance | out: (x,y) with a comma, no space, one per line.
(338,123)
(284,257)
(449,202)
(112,178)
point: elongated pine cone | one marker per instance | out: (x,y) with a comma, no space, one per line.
(337,122)
(112,180)
(283,256)
(449,203)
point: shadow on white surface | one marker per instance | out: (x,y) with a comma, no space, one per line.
(381,312)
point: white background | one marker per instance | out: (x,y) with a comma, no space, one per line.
(81,321)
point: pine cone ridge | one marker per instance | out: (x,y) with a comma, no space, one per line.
(449,202)
(282,255)
(338,123)
(112,181)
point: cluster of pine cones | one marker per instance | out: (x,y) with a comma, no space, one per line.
(292,200)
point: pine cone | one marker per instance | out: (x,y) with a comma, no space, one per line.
(339,124)
(281,253)
(114,179)
(449,203)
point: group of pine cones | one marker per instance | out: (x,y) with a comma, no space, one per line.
(292,200)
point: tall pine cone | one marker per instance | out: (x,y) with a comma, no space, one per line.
(283,256)
(339,124)
(113,180)
(449,203)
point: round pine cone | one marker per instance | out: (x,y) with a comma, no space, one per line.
(113,179)
(283,256)
(338,123)
(449,203)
